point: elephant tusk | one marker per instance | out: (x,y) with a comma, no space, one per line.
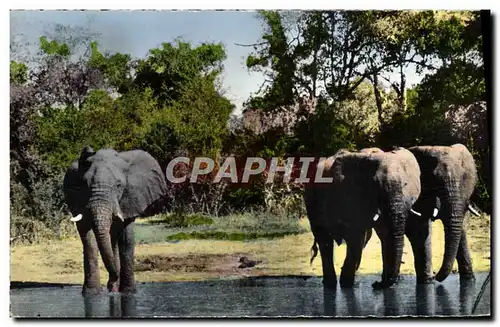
(77,218)
(119,215)
(435,212)
(375,218)
(474,211)
(416,213)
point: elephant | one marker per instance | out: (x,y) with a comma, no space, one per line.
(449,176)
(369,189)
(106,190)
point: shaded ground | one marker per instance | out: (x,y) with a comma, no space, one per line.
(222,265)
(195,260)
(260,297)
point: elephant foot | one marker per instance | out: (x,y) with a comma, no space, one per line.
(348,282)
(330,283)
(467,277)
(425,280)
(90,291)
(384,283)
(128,289)
(441,275)
(113,283)
(113,286)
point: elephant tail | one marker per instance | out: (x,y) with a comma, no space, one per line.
(314,250)
(368,236)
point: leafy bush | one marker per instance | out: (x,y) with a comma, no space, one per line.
(39,213)
(259,221)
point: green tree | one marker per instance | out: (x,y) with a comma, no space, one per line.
(117,68)
(196,122)
(18,72)
(324,133)
(167,69)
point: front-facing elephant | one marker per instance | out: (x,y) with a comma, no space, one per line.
(448,179)
(369,189)
(105,191)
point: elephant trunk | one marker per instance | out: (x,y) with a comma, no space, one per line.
(452,221)
(102,218)
(394,266)
(395,241)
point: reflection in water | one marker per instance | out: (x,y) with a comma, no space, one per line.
(120,306)
(90,306)
(467,292)
(115,306)
(129,306)
(400,302)
(257,297)
(392,304)
(445,301)
(425,299)
(329,303)
(350,301)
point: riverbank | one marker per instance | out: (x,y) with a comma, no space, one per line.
(202,259)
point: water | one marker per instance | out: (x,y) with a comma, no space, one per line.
(258,297)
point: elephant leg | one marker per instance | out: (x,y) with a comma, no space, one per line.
(418,232)
(127,244)
(382,234)
(325,243)
(391,236)
(464,258)
(116,234)
(355,243)
(92,283)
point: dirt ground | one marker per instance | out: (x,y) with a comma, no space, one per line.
(194,260)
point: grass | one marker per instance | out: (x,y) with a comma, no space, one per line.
(236,227)
(178,220)
(199,259)
(221,235)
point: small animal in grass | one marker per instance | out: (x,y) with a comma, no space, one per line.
(247,263)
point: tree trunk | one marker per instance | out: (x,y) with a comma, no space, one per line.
(378,99)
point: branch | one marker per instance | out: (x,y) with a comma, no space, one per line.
(428,66)
(376,70)
(344,57)
(394,85)
(305,85)
(351,65)
(355,85)
(251,45)
(414,55)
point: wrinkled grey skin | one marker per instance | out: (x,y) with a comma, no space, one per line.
(365,183)
(110,190)
(448,180)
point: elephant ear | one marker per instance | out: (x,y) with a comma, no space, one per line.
(145,183)
(76,192)
(86,153)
